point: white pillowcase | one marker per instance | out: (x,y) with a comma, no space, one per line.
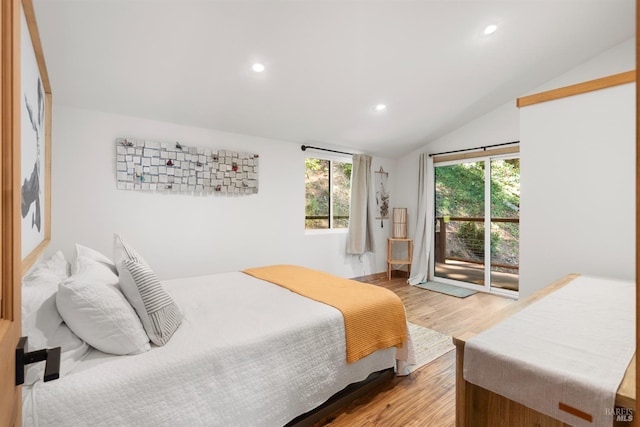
(93,307)
(101,316)
(40,317)
(93,271)
(56,266)
(156,309)
(122,251)
(158,312)
(45,329)
(42,323)
(85,252)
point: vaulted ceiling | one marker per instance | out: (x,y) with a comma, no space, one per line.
(327,63)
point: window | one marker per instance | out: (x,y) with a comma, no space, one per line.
(473,196)
(327,193)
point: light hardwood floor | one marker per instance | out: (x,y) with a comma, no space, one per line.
(427,396)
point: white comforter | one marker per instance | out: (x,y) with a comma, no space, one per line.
(248,353)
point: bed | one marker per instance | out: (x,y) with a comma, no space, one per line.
(479,406)
(246,352)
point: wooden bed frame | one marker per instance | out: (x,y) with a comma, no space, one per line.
(477,407)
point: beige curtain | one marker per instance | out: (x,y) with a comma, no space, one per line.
(360,237)
(424,222)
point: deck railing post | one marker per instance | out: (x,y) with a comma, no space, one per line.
(441,241)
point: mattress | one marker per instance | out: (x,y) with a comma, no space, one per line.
(247,353)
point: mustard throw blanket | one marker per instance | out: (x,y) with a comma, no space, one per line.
(374,317)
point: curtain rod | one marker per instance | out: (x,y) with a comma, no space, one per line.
(304,148)
(484,148)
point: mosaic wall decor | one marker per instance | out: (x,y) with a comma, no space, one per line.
(178,168)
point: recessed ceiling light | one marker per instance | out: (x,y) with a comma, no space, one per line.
(490,29)
(257,67)
(381,107)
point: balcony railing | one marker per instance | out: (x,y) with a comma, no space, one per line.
(338,221)
(441,241)
(326,217)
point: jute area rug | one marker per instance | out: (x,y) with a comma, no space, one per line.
(428,345)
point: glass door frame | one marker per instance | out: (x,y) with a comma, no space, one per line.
(487,226)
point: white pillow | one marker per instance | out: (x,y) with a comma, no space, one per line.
(158,312)
(56,266)
(85,252)
(93,271)
(123,251)
(40,317)
(42,323)
(45,329)
(100,315)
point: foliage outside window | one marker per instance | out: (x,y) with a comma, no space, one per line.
(460,193)
(327,193)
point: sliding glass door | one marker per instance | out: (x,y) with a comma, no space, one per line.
(476,232)
(505,223)
(459,222)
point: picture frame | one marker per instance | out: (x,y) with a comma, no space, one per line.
(35,141)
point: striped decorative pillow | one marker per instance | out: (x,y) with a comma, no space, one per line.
(158,312)
(123,251)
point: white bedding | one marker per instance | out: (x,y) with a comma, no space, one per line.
(248,353)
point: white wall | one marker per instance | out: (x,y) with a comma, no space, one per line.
(592,136)
(187,235)
(184,235)
(577,183)
(499,126)
(503,125)
(618,59)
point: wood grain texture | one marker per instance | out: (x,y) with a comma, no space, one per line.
(30,16)
(10,322)
(406,261)
(427,396)
(343,398)
(495,410)
(477,406)
(575,412)
(637,368)
(626,396)
(31,258)
(589,86)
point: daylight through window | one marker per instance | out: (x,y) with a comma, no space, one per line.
(328,192)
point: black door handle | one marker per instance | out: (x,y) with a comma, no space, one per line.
(51,356)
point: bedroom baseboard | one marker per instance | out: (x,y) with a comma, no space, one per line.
(343,398)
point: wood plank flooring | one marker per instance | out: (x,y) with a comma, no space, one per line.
(427,396)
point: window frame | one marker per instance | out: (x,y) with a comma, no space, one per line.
(486,157)
(331,159)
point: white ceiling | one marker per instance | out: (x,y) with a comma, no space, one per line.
(328,63)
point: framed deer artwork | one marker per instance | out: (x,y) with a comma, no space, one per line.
(35,136)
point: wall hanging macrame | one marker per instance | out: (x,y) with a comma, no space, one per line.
(178,168)
(382,195)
